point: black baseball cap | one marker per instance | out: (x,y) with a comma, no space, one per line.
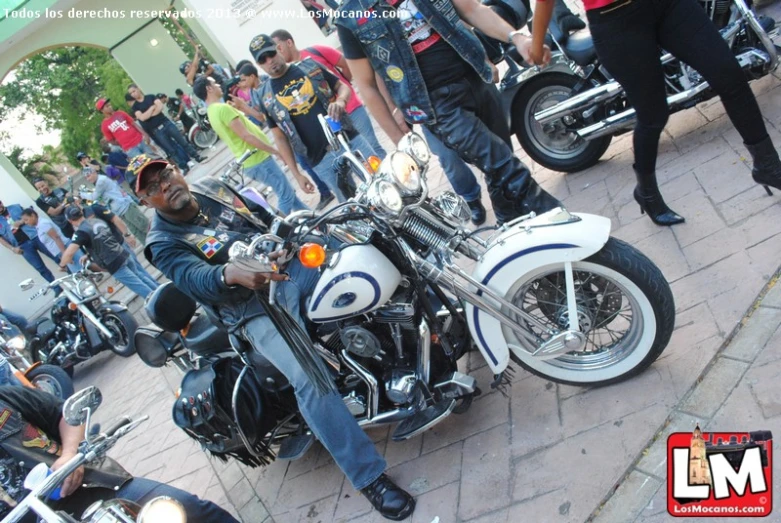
(80,156)
(261,44)
(72,212)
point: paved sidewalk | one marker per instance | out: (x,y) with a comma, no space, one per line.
(546,453)
(738,391)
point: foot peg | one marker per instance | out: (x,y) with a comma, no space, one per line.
(423,420)
(295,447)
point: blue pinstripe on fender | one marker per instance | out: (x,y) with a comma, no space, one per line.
(499,266)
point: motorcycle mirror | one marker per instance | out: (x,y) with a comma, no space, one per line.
(27,284)
(79,407)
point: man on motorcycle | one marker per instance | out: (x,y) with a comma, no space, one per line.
(33,431)
(189,240)
(437,74)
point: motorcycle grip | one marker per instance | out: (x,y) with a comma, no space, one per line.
(114,427)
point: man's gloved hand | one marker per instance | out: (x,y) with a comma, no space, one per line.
(566,19)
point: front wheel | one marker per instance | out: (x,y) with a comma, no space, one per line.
(625,310)
(123,328)
(51,379)
(555,146)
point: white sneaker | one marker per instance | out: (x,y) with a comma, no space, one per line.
(191,164)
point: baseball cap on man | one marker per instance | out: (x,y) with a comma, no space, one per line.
(139,164)
(81,155)
(261,44)
(101,103)
(72,212)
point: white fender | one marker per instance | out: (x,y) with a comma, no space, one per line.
(191,135)
(531,244)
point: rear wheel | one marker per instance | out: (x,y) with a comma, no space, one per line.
(554,145)
(204,139)
(625,311)
(123,328)
(52,379)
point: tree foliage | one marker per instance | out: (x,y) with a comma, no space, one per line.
(38,165)
(62,86)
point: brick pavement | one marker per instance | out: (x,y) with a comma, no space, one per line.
(539,454)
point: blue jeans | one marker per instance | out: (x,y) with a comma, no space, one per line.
(141,148)
(363,124)
(135,278)
(138,268)
(30,252)
(458,173)
(16,319)
(325,169)
(322,188)
(271,174)
(174,144)
(327,416)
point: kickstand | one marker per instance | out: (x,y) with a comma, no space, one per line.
(502,381)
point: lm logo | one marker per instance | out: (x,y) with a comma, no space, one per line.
(719,474)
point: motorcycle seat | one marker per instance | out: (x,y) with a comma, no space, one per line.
(206,337)
(580,48)
(169,308)
(45,329)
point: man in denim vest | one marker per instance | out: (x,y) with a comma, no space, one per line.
(292,100)
(437,74)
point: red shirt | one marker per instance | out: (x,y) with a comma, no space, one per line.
(119,128)
(595,4)
(329,58)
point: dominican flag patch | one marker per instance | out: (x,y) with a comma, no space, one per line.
(210,246)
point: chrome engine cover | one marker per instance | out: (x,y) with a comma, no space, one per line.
(360,342)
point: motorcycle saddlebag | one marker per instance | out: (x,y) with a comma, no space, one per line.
(204,411)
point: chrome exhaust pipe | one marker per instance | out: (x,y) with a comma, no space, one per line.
(579,102)
(372,388)
(626,119)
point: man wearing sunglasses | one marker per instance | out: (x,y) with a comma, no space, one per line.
(189,241)
(292,100)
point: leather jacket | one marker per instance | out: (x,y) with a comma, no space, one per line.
(387,49)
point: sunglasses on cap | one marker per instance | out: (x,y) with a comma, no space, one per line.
(261,59)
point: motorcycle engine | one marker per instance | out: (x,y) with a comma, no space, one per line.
(11,483)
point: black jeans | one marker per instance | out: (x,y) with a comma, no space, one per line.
(470,120)
(628,35)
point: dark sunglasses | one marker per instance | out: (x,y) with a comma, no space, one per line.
(153,188)
(262,57)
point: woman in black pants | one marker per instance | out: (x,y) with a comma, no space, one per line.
(627,35)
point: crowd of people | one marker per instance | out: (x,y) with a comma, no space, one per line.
(425,68)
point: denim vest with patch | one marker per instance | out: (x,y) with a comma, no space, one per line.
(388,50)
(277,112)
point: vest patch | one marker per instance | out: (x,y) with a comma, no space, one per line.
(210,246)
(4,415)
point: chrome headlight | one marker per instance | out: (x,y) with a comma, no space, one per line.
(453,206)
(15,343)
(415,146)
(162,510)
(402,169)
(386,197)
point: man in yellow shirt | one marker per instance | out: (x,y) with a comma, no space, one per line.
(241,135)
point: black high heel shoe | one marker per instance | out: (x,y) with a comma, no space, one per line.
(767,166)
(650,200)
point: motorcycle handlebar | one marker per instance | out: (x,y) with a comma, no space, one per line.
(121,422)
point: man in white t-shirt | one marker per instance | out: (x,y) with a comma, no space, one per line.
(51,236)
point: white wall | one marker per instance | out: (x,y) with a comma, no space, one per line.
(233,36)
(13,268)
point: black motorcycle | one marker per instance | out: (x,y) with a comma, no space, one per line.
(566,113)
(81,323)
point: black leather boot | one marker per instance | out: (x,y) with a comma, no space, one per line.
(650,200)
(509,204)
(767,166)
(478,211)
(389,499)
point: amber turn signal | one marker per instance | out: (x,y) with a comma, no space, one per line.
(110,290)
(373,164)
(72,306)
(311,255)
